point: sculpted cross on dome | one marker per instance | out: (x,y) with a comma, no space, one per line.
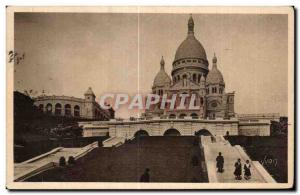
(191,25)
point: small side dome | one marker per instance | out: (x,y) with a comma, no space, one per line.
(161,78)
(214,76)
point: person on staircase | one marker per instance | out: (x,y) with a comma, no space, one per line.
(220,162)
(146,176)
(247,174)
(238,170)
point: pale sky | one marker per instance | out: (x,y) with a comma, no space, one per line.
(65,53)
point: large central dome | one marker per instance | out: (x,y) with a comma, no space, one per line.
(190,47)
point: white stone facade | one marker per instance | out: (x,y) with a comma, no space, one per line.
(186,127)
(191,75)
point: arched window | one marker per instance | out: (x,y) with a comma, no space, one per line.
(182,115)
(160,92)
(220,90)
(214,90)
(194,77)
(194,116)
(184,80)
(172,116)
(49,108)
(68,110)
(76,111)
(57,109)
(201,101)
(178,78)
(199,77)
(213,116)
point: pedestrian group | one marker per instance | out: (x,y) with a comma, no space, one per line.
(238,167)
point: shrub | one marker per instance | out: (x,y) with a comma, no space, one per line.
(62,161)
(71,160)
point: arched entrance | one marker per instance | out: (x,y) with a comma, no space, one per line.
(77,111)
(58,109)
(49,108)
(172,132)
(204,132)
(141,133)
(67,110)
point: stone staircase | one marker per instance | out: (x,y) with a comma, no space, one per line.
(36,165)
(113,142)
(212,146)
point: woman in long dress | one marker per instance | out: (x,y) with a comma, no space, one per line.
(247,174)
(238,170)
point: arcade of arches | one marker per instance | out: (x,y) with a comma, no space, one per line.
(61,110)
(172,132)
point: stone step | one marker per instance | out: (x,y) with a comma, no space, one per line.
(230,154)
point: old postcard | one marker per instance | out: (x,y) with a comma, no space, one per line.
(150,97)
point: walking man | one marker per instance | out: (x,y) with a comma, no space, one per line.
(220,162)
(238,170)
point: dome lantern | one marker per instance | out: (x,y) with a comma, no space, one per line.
(191,25)
(162,63)
(191,48)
